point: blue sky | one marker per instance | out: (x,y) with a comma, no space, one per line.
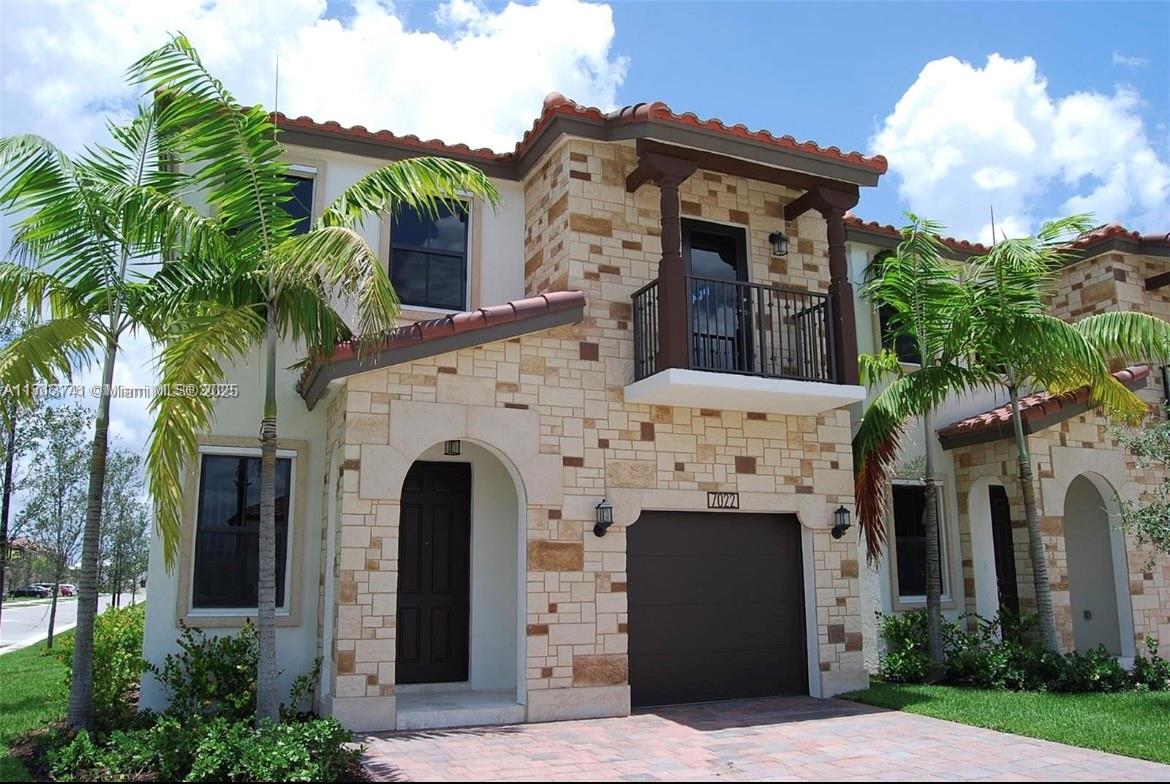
(832,71)
(1039,109)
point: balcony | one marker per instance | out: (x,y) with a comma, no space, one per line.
(749,347)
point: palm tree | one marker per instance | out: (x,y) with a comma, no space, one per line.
(81,247)
(263,283)
(1022,347)
(929,309)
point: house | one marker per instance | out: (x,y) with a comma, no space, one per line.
(1105,589)
(623,329)
(605,460)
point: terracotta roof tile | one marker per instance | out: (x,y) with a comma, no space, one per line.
(874,227)
(556,105)
(432,330)
(1086,240)
(1036,411)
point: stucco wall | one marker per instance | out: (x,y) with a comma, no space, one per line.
(240,418)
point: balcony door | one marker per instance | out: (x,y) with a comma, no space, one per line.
(717,274)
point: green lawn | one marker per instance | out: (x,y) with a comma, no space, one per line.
(33,695)
(1132,723)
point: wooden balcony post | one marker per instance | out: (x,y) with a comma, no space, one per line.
(674,333)
(832,204)
(841,300)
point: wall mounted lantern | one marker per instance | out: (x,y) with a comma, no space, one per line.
(453,447)
(841,522)
(604,512)
(779,243)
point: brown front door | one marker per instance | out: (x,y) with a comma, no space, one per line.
(1005,551)
(716,607)
(434,574)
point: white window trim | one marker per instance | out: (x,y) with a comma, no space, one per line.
(912,601)
(246,612)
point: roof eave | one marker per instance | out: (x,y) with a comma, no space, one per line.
(327,371)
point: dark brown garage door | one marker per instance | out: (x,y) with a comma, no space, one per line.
(716,607)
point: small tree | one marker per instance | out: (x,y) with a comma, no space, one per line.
(930,308)
(55,509)
(124,520)
(18,422)
(1025,349)
(1148,520)
(272,284)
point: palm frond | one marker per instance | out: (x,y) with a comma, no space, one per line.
(232,150)
(1128,336)
(877,443)
(46,353)
(343,262)
(191,357)
(424,184)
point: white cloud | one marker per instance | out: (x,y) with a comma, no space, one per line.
(963,139)
(1129,61)
(479,80)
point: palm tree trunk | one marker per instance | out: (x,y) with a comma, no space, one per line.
(933,573)
(1035,543)
(81,683)
(6,501)
(267,705)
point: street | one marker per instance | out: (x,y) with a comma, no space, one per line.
(25,624)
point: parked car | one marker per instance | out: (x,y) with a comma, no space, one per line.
(68,589)
(31,591)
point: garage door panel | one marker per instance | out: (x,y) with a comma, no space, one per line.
(699,579)
(689,677)
(716,607)
(719,628)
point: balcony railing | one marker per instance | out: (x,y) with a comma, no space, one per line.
(746,328)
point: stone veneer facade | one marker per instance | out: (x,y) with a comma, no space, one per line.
(1083,444)
(551,406)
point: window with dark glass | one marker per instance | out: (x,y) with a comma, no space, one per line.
(902,345)
(227,531)
(428,257)
(300,206)
(910,539)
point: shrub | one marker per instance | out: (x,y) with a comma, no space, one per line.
(1151,672)
(1001,653)
(297,751)
(215,749)
(215,676)
(907,658)
(117,664)
(211,676)
(1095,670)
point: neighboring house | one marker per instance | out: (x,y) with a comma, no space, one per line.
(1102,590)
(621,328)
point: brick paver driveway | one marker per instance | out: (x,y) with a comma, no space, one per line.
(790,739)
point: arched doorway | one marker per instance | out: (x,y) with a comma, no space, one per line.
(458,625)
(1098,574)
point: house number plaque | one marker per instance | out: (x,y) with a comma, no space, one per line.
(723,500)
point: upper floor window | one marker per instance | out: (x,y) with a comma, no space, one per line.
(902,345)
(227,530)
(428,257)
(910,541)
(300,207)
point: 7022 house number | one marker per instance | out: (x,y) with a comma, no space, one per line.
(723,500)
